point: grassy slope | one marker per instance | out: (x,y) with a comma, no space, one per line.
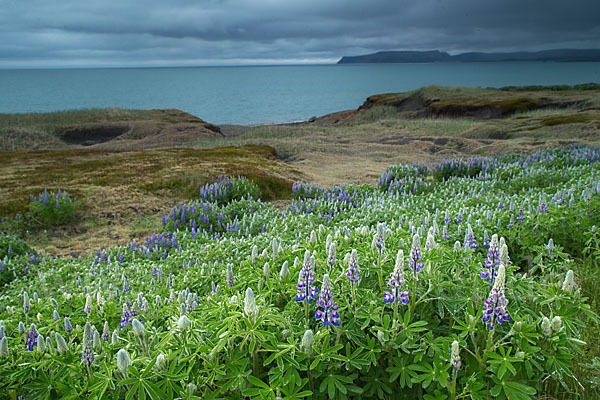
(123,194)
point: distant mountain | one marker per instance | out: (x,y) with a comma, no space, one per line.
(561,55)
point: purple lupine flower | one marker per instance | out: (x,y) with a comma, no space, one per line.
(127,316)
(352,272)
(68,326)
(87,353)
(26,303)
(32,335)
(305,280)
(415,262)
(396,280)
(494,308)
(106,332)
(492,262)
(470,241)
(329,316)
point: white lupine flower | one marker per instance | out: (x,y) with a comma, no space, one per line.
(556,324)
(123,361)
(184,323)
(41,343)
(546,329)
(457,246)
(266,270)
(4,347)
(328,243)
(455,355)
(284,270)
(254,253)
(569,283)
(250,307)
(504,259)
(307,341)
(61,344)
(160,362)
(313,237)
(114,340)
(138,328)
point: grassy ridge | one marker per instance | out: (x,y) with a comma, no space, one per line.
(120,193)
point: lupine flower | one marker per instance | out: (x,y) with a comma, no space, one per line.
(21,327)
(379,238)
(486,238)
(415,262)
(329,316)
(569,283)
(32,335)
(96,341)
(430,242)
(55,315)
(26,303)
(4,347)
(305,290)
(455,356)
(353,271)
(546,329)
(266,270)
(494,308)
(41,344)
(331,259)
(275,248)
(184,323)
(138,328)
(88,304)
(229,276)
(550,246)
(68,326)
(114,339)
(396,281)
(492,262)
(284,270)
(250,307)
(123,361)
(504,259)
(61,344)
(87,353)
(556,324)
(160,363)
(307,341)
(470,241)
(457,247)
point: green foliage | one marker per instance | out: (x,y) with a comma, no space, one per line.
(222,316)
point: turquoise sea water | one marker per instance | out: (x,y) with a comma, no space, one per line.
(261,94)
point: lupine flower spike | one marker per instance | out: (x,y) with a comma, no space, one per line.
(415,262)
(353,271)
(305,280)
(455,356)
(492,262)
(329,316)
(494,308)
(396,281)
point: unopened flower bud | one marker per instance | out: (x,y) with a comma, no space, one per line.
(184,323)
(455,355)
(138,328)
(4,347)
(61,344)
(556,324)
(307,341)
(123,361)
(546,329)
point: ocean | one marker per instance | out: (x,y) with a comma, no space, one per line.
(261,94)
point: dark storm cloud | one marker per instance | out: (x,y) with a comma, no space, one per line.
(192,32)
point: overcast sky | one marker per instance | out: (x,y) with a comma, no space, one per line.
(82,33)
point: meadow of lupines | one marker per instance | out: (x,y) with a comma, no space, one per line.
(461,289)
